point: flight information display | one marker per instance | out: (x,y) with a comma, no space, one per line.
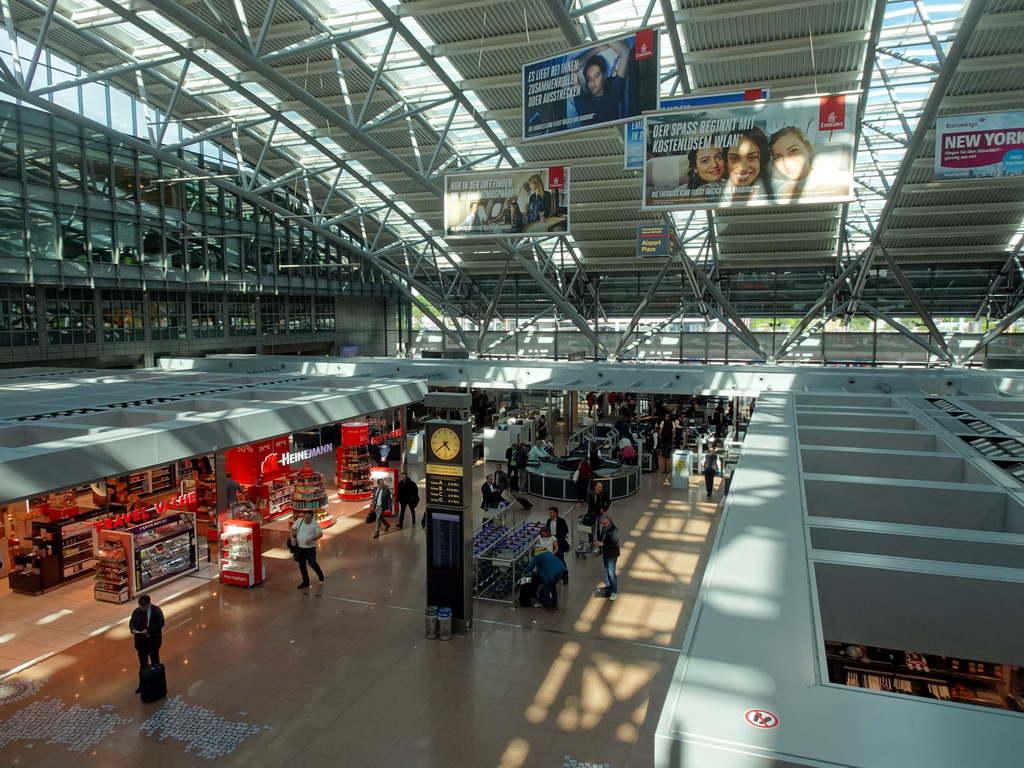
(446,541)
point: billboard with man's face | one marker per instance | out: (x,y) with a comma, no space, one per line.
(591,86)
(517,202)
(755,154)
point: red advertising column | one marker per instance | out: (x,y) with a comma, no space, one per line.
(354,462)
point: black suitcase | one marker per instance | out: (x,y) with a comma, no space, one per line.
(152,683)
(525,503)
(527,592)
(371,516)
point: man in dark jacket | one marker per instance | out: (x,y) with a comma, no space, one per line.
(608,543)
(560,530)
(500,479)
(146,626)
(408,496)
(550,569)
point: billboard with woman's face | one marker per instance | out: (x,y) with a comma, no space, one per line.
(517,202)
(755,154)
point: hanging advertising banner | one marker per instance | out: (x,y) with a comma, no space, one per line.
(517,202)
(591,86)
(979,146)
(633,159)
(755,154)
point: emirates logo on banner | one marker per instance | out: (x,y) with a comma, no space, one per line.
(644,47)
(832,113)
(556,177)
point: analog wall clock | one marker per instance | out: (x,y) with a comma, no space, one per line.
(445,444)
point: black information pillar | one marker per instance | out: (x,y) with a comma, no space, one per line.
(449,470)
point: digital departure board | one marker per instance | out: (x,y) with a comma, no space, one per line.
(445,539)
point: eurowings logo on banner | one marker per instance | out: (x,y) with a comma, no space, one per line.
(832,113)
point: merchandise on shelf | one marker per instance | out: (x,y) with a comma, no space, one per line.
(354,482)
(158,550)
(70,542)
(61,501)
(309,494)
(246,510)
(206,498)
(111,572)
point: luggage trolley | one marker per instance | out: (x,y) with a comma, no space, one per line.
(584,547)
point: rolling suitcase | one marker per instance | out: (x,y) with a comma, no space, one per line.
(152,683)
(525,503)
(527,592)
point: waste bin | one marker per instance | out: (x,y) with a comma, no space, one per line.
(444,623)
(431,622)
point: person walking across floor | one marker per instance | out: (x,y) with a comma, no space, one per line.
(711,469)
(560,530)
(408,494)
(666,437)
(146,626)
(584,472)
(305,533)
(608,543)
(381,503)
(550,569)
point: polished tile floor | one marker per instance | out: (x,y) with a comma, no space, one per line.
(342,675)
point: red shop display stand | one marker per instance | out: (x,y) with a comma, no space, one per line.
(241,553)
(354,483)
(390,478)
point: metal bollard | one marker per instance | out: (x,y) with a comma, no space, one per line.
(444,622)
(431,622)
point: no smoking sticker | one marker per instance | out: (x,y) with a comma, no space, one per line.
(761,718)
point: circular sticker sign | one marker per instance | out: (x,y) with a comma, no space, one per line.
(761,718)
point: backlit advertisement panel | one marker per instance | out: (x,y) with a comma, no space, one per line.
(516,202)
(979,146)
(591,86)
(753,154)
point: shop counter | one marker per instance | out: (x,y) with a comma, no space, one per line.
(36,583)
(548,481)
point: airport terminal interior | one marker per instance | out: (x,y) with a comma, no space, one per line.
(754,264)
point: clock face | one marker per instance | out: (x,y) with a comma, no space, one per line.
(445,444)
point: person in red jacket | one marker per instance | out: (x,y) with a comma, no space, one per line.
(584,473)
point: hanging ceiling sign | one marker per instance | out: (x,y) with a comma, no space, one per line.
(517,202)
(756,154)
(979,146)
(595,85)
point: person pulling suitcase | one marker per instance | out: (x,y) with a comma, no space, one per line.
(146,626)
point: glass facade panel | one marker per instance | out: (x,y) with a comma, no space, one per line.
(207,317)
(70,316)
(167,318)
(38,151)
(18,321)
(241,316)
(121,316)
(272,315)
